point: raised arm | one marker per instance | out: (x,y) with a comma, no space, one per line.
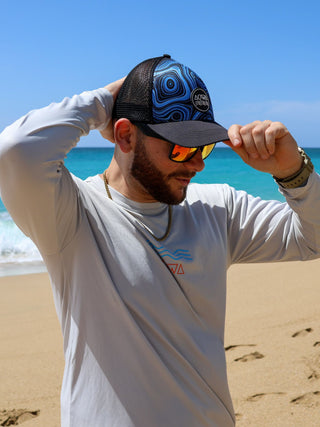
(35,186)
(270,230)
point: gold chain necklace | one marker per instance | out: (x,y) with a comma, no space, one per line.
(159,239)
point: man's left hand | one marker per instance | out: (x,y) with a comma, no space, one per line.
(266,146)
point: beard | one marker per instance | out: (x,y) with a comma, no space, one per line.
(152,179)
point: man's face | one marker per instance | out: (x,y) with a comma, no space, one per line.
(164,180)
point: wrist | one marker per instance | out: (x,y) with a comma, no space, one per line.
(300,177)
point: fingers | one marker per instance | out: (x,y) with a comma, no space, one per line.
(255,141)
(114,87)
(258,138)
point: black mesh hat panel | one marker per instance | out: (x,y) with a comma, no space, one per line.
(134,101)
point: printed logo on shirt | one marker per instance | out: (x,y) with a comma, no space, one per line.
(175,265)
(176,268)
(177,255)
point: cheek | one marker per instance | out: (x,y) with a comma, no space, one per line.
(159,154)
(167,167)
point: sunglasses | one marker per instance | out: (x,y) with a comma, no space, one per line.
(178,153)
(184,154)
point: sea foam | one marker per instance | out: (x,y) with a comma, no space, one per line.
(15,247)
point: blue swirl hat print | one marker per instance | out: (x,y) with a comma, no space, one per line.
(171,101)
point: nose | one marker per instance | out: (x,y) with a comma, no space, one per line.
(196,163)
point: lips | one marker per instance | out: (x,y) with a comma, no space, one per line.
(182,175)
(182,178)
(183,181)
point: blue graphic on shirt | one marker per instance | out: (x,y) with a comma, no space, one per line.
(174,263)
(177,255)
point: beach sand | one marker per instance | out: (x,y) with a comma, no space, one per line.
(272,347)
(31,352)
(273,344)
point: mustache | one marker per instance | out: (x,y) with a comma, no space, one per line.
(189,175)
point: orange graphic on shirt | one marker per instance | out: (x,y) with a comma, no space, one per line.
(176,268)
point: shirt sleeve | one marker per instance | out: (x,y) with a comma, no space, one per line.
(268,231)
(36,188)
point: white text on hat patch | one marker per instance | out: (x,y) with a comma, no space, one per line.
(200,100)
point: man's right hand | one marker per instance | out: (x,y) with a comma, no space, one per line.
(114,89)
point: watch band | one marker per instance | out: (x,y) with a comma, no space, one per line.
(299,178)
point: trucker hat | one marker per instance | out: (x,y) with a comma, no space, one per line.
(171,102)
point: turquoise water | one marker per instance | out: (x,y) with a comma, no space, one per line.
(223,166)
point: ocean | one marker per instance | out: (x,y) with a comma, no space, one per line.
(18,255)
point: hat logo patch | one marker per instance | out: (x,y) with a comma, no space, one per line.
(200,100)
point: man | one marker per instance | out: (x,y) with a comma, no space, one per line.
(143,342)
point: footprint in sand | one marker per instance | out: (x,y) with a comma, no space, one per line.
(16,416)
(316,344)
(313,366)
(258,396)
(232,347)
(302,333)
(248,357)
(314,375)
(308,399)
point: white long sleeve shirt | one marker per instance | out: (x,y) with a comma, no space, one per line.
(142,320)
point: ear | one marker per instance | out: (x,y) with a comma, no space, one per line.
(124,134)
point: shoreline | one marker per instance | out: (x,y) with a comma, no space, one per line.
(272,343)
(20,269)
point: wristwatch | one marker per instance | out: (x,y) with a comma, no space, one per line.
(299,178)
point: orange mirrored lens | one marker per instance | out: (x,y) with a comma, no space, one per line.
(182,154)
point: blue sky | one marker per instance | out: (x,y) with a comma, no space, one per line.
(259,60)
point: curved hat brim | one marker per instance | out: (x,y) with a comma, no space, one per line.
(192,133)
